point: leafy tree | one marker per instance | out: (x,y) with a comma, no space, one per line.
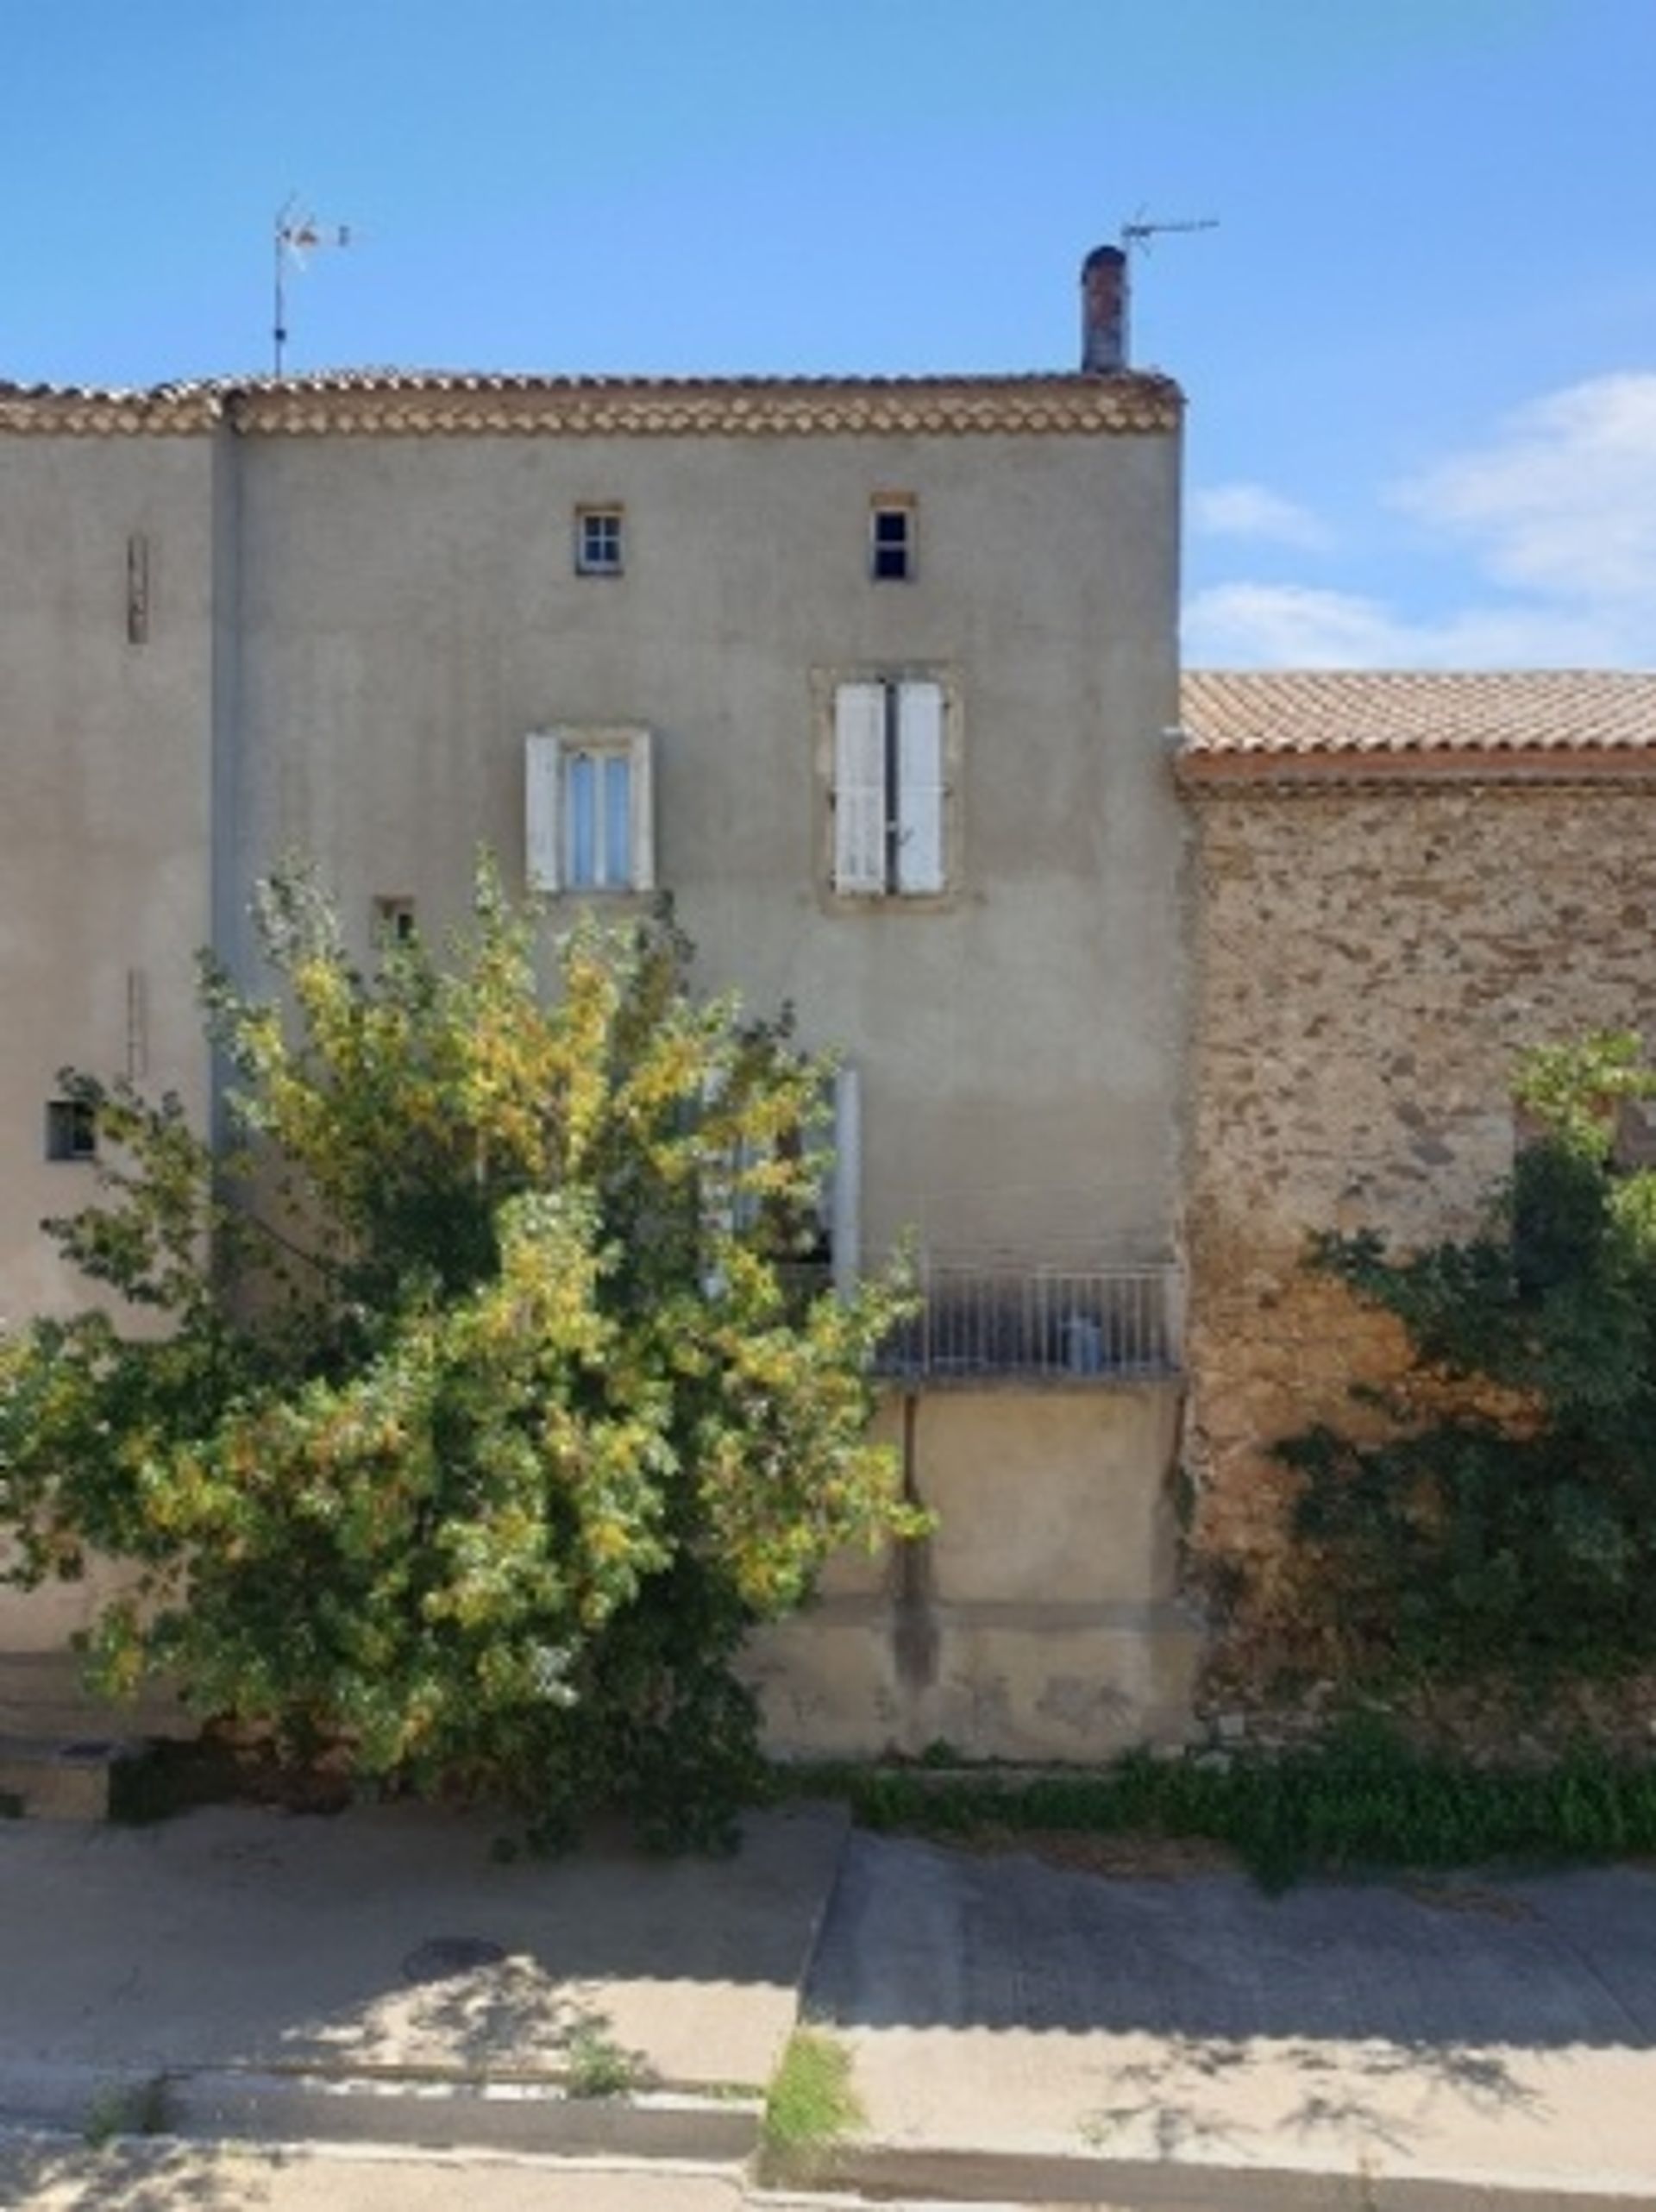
(1506,1522)
(487,1410)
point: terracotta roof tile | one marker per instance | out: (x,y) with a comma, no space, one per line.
(1362,720)
(392,401)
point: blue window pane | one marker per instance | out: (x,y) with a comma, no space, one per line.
(618,822)
(583,820)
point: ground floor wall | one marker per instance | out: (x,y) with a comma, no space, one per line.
(1040,1620)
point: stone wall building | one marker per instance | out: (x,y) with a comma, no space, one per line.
(1403,881)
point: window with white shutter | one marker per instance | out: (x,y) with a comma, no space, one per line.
(860,780)
(589,810)
(890,795)
(918,743)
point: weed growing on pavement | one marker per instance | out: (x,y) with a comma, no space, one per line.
(125,2109)
(811,2105)
(596,2066)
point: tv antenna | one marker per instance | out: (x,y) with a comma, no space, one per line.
(1139,231)
(1143,228)
(295,237)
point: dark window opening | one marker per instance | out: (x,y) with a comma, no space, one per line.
(71,1129)
(892,543)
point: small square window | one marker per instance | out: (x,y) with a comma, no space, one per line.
(891,540)
(71,1129)
(599,550)
(393,919)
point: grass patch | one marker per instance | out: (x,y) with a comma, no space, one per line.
(125,2109)
(11,1806)
(810,2106)
(596,2066)
(1362,1801)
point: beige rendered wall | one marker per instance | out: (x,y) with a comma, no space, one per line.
(104,831)
(1039,1622)
(410,613)
(1371,964)
(351,638)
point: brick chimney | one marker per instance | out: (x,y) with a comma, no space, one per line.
(1104,311)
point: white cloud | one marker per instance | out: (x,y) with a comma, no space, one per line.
(1254,511)
(1294,626)
(1563,499)
(1556,509)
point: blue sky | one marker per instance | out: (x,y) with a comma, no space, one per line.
(1420,349)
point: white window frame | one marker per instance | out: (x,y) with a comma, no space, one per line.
(839,1199)
(890,748)
(595,512)
(549,757)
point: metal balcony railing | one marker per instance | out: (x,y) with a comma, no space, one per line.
(1106,1324)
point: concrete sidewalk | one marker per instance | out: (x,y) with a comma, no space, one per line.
(1020,2031)
(383,1975)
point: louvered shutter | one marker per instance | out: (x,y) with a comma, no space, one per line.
(919,786)
(860,788)
(542,767)
(644,813)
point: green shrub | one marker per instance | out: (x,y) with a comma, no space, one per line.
(1510,1526)
(487,1414)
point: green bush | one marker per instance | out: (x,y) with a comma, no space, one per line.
(487,1412)
(1515,1531)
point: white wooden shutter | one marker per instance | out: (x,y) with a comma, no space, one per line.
(860,788)
(543,773)
(643,814)
(845,1219)
(919,786)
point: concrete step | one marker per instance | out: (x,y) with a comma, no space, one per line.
(433,2111)
(58,1779)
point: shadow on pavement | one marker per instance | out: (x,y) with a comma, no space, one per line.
(922,1936)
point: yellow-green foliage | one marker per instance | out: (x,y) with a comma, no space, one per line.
(490,1413)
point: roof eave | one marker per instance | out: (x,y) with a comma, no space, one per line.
(1216,772)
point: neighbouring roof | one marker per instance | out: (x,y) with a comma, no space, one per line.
(1301,726)
(387,401)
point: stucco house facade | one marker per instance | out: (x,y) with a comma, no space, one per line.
(876,677)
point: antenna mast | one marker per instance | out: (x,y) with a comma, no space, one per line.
(1140,231)
(295,235)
